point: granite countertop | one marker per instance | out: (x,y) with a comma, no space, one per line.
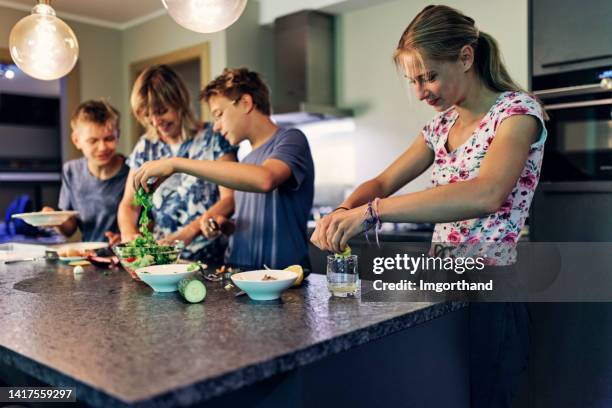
(122,344)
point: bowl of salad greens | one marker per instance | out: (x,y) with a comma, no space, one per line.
(138,254)
(144,250)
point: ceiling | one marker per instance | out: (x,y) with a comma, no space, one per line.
(112,13)
(122,14)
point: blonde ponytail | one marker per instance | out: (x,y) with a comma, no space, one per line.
(490,66)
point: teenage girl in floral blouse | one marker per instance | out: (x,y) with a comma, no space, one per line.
(485,147)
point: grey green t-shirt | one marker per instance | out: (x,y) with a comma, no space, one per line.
(96,200)
(271,227)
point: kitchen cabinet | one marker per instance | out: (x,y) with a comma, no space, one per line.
(568,35)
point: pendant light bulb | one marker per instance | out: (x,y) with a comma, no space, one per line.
(42,45)
(205,16)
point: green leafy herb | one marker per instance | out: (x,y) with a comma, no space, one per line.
(144,249)
(143,199)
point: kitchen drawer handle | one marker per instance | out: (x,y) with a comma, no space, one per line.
(576,61)
(598,87)
(582,104)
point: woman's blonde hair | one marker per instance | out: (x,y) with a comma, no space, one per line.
(439,33)
(158,88)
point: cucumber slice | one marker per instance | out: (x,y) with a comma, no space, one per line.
(192,289)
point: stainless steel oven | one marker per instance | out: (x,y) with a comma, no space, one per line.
(579,144)
(574,198)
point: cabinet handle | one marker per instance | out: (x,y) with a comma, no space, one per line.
(583,104)
(603,86)
(576,61)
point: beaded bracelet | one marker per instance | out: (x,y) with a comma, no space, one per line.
(371,219)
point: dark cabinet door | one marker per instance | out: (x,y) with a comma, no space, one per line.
(568,35)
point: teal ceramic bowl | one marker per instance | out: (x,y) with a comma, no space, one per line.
(164,278)
(257,288)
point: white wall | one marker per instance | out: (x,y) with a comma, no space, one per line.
(388,114)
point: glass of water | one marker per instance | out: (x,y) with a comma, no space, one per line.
(342,275)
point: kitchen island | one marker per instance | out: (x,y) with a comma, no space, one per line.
(121,344)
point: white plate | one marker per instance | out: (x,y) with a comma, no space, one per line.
(79,246)
(16,251)
(46,219)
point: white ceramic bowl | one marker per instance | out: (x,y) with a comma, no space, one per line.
(164,278)
(46,219)
(258,289)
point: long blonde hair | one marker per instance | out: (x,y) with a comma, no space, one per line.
(439,33)
(158,87)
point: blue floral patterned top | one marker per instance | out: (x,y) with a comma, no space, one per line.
(182,198)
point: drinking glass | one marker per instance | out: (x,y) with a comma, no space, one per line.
(342,275)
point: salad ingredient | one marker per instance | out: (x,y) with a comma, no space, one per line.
(299,270)
(192,289)
(144,249)
(344,254)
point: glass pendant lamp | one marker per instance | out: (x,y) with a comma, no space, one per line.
(42,45)
(205,16)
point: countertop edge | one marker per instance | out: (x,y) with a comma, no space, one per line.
(248,375)
(56,378)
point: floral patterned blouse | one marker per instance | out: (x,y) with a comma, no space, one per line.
(463,163)
(182,198)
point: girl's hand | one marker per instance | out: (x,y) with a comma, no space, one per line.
(161,169)
(335,229)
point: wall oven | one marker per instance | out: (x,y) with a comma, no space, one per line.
(579,144)
(574,198)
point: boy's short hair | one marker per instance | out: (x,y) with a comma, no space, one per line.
(97,111)
(235,82)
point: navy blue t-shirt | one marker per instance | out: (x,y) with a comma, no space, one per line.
(96,200)
(271,228)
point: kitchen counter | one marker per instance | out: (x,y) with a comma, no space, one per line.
(122,344)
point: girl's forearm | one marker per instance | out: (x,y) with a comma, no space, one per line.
(452,202)
(364,193)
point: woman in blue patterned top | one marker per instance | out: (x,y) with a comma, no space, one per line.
(161,103)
